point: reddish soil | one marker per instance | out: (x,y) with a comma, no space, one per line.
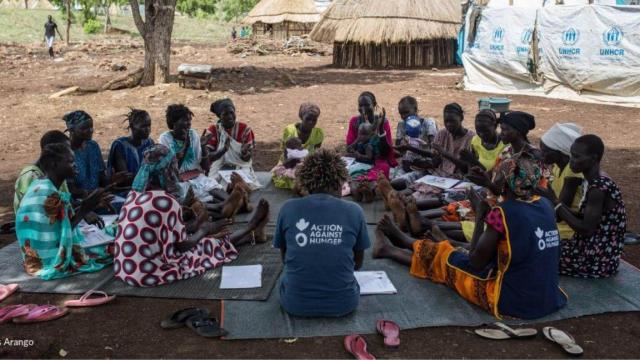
(267,91)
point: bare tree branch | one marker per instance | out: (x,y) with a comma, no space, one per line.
(135,10)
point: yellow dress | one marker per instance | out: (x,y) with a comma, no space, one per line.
(313,142)
(486,157)
(559,177)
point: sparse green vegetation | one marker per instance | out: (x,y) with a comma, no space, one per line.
(27,26)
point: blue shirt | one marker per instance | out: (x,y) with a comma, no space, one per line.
(90,166)
(320,233)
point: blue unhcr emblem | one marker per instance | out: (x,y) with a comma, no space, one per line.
(570,36)
(613,36)
(527,34)
(498,34)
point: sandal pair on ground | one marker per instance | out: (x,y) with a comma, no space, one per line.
(504,332)
(32,313)
(357,346)
(197,319)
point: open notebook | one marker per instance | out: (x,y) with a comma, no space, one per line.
(374,283)
(93,235)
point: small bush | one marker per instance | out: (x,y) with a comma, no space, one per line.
(92,26)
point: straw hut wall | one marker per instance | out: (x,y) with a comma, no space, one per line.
(281,19)
(398,33)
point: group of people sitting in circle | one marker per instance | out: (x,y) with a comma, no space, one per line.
(526,215)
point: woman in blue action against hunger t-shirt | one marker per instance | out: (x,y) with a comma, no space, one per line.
(322,239)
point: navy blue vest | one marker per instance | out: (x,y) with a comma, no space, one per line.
(530,285)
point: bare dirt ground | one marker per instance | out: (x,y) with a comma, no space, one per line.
(267,91)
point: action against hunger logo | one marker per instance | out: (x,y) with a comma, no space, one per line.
(318,234)
(547,239)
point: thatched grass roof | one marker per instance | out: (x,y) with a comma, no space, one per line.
(277,11)
(388,21)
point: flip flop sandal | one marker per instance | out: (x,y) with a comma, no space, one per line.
(85,301)
(631,239)
(41,313)
(563,339)
(8,228)
(180,317)
(7,313)
(357,346)
(391,332)
(505,332)
(206,327)
(7,290)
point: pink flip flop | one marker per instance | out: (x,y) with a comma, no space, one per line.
(390,331)
(84,300)
(357,346)
(7,290)
(7,313)
(41,313)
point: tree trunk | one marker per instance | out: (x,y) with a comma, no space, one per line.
(156,31)
(68,20)
(26,4)
(162,40)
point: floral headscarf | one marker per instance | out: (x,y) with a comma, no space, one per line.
(158,161)
(520,173)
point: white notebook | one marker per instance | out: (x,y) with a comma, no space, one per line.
(241,277)
(374,282)
(93,235)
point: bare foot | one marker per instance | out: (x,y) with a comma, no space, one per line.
(260,214)
(437,233)
(391,231)
(415,221)
(398,210)
(380,245)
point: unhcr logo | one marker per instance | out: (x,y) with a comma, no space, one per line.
(527,35)
(498,37)
(498,34)
(613,36)
(570,36)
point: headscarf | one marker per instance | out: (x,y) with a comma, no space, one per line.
(454,108)
(520,120)
(413,126)
(521,173)
(561,136)
(158,161)
(75,118)
(220,105)
(308,109)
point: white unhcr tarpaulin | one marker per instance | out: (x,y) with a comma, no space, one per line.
(586,53)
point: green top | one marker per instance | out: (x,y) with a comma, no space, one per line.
(314,141)
(26,177)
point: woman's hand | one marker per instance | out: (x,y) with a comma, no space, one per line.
(94,219)
(478,203)
(98,198)
(468,156)
(121,177)
(547,193)
(205,137)
(479,177)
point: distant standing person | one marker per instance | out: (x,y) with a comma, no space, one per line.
(50,29)
(234,34)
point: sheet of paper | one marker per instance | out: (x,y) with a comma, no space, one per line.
(374,282)
(439,182)
(241,277)
(93,235)
(348,160)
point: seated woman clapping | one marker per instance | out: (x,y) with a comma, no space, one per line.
(154,246)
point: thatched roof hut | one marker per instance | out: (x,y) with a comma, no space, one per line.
(398,33)
(282,19)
